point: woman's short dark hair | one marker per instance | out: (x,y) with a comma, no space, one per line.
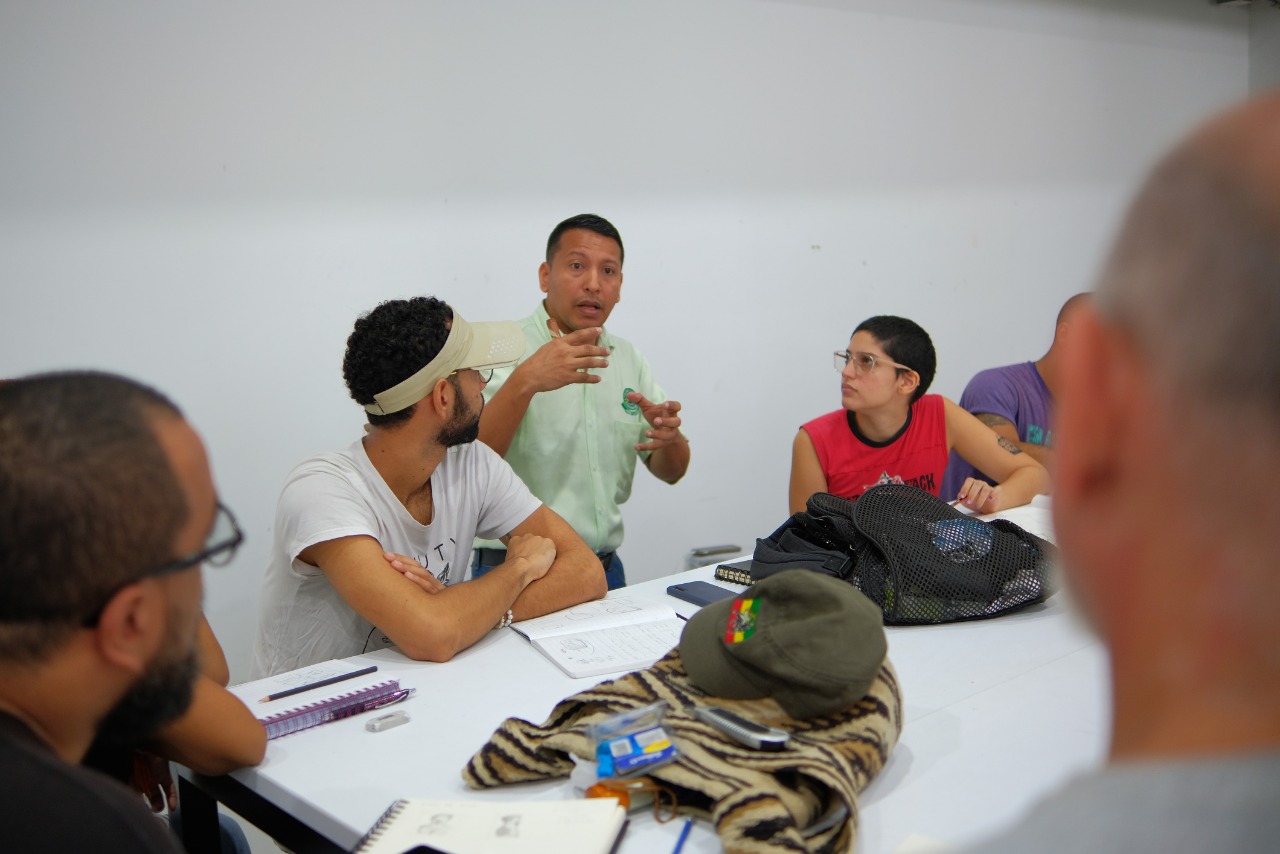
(906,343)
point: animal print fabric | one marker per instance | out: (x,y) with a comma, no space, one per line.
(759,801)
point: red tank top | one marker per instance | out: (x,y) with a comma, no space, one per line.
(852,464)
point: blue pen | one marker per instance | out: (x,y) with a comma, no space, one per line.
(684,834)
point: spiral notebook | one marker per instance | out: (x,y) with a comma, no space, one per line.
(620,632)
(585,826)
(320,705)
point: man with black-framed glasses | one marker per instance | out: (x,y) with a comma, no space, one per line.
(107,511)
(373,543)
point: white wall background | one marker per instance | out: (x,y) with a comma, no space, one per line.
(206,195)
(1264,46)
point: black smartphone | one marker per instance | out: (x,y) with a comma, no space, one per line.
(700,592)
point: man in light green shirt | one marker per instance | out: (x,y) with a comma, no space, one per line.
(582,406)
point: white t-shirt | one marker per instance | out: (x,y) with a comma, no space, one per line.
(302,619)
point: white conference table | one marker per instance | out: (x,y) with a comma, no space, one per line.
(996,713)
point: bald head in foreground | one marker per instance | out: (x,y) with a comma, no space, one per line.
(1166,506)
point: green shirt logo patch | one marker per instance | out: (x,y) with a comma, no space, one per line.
(627,406)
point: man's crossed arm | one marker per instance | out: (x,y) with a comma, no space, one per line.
(548,568)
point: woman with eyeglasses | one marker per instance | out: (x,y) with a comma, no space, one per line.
(890,431)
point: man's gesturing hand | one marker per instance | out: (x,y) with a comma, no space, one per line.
(565,359)
(663,418)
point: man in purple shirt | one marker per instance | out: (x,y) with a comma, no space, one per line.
(1016,401)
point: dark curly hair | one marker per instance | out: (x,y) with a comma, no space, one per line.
(587,222)
(906,343)
(88,501)
(389,345)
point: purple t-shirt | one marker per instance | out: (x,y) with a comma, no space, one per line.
(1016,392)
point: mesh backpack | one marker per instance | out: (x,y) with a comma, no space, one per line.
(913,554)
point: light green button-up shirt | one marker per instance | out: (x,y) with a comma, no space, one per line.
(575,448)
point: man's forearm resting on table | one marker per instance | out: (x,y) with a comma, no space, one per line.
(427,626)
(216,735)
(575,576)
(434,623)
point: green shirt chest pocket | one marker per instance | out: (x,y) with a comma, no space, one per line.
(627,417)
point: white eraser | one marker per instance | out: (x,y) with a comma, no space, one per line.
(382,722)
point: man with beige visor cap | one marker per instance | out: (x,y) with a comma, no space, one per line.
(373,543)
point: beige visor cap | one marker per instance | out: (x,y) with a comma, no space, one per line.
(470,346)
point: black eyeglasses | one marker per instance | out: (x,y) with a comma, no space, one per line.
(219,548)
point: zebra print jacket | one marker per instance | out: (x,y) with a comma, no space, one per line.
(759,801)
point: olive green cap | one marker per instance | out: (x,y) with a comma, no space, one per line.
(810,641)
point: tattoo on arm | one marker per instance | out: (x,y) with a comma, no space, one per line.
(992,420)
(1008,446)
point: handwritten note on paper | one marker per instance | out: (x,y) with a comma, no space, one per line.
(580,826)
(613,650)
(309,674)
(613,610)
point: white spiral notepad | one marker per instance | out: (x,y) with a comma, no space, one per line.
(587,826)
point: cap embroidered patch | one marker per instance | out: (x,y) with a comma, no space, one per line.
(742,620)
